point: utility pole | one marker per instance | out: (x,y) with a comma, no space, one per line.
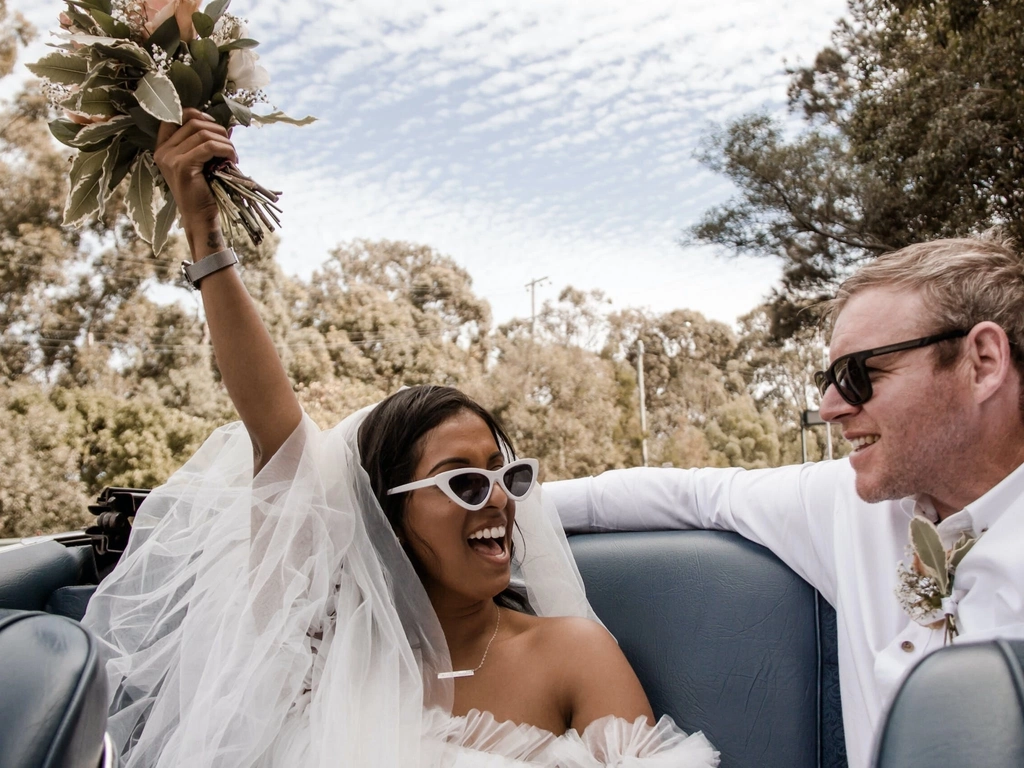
(643,405)
(532,288)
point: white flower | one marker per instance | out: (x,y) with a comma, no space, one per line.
(244,72)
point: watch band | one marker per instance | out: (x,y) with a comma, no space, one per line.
(196,271)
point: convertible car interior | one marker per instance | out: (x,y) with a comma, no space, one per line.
(724,637)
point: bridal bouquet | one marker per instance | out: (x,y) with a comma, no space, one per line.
(125,66)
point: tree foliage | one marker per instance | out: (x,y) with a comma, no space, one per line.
(108,376)
(913,129)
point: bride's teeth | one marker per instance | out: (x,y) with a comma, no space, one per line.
(490,533)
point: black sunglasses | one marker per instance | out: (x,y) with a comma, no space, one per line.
(850,373)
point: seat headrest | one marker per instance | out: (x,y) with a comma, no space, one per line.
(53,711)
(960,706)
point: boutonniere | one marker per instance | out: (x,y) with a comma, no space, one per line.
(925,588)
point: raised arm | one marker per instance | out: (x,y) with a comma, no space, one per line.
(249,364)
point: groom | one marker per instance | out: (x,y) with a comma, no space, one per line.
(926,385)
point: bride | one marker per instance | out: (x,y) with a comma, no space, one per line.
(390,592)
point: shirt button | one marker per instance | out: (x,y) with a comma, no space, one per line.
(907,646)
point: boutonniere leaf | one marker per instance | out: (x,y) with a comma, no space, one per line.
(960,549)
(924,537)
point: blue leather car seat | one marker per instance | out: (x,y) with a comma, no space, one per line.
(724,638)
(47,576)
(53,710)
(960,706)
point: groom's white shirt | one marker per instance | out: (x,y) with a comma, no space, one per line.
(813,520)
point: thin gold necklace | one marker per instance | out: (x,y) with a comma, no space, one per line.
(471,672)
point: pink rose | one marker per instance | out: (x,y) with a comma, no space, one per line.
(159,11)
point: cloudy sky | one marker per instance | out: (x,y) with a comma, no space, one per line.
(524,138)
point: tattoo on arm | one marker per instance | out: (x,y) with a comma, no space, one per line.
(216,240)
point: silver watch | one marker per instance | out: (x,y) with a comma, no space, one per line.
(194,272)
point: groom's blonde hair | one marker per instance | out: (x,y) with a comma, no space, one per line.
(964,281)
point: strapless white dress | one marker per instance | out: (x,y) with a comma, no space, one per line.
(275,621)
(478,741)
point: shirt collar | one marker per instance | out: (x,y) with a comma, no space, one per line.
(978,516)
(987,509)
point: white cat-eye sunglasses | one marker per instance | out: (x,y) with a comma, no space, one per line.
(470,487)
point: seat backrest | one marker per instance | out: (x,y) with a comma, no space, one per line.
(48,576)
(53,709)
(723,636)
(960,706)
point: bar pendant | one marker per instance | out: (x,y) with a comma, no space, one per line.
(456,673)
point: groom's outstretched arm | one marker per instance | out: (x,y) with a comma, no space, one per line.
(789,510)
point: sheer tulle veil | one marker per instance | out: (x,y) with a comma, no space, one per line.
(276,620)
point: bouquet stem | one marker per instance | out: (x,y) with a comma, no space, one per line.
(242,202)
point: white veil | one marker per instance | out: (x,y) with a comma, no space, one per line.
(277,620)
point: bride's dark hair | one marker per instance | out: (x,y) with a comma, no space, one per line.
(389,450)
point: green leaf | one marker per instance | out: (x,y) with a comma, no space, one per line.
(82,20)
(242,42)
(137,138)
(122,154)
(960,549)
(220,75)
(127,53)
(206,78)
(94,102)
(206,50)
(928,547)
(203,24)
(61,67)
(99,78)
(65,131)
(158,96)
(221,113)
(166,36)
(92,134)
(164,221)
(216,9)
(240,112)
(106,187)
(86,187)
(280,117)
(187,83)
(124,101)
(139,198)
(110,25)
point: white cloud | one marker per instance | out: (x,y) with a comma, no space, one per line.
(524,138)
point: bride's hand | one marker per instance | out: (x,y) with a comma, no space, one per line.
(182,153)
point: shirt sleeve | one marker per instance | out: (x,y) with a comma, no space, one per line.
(790,510)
